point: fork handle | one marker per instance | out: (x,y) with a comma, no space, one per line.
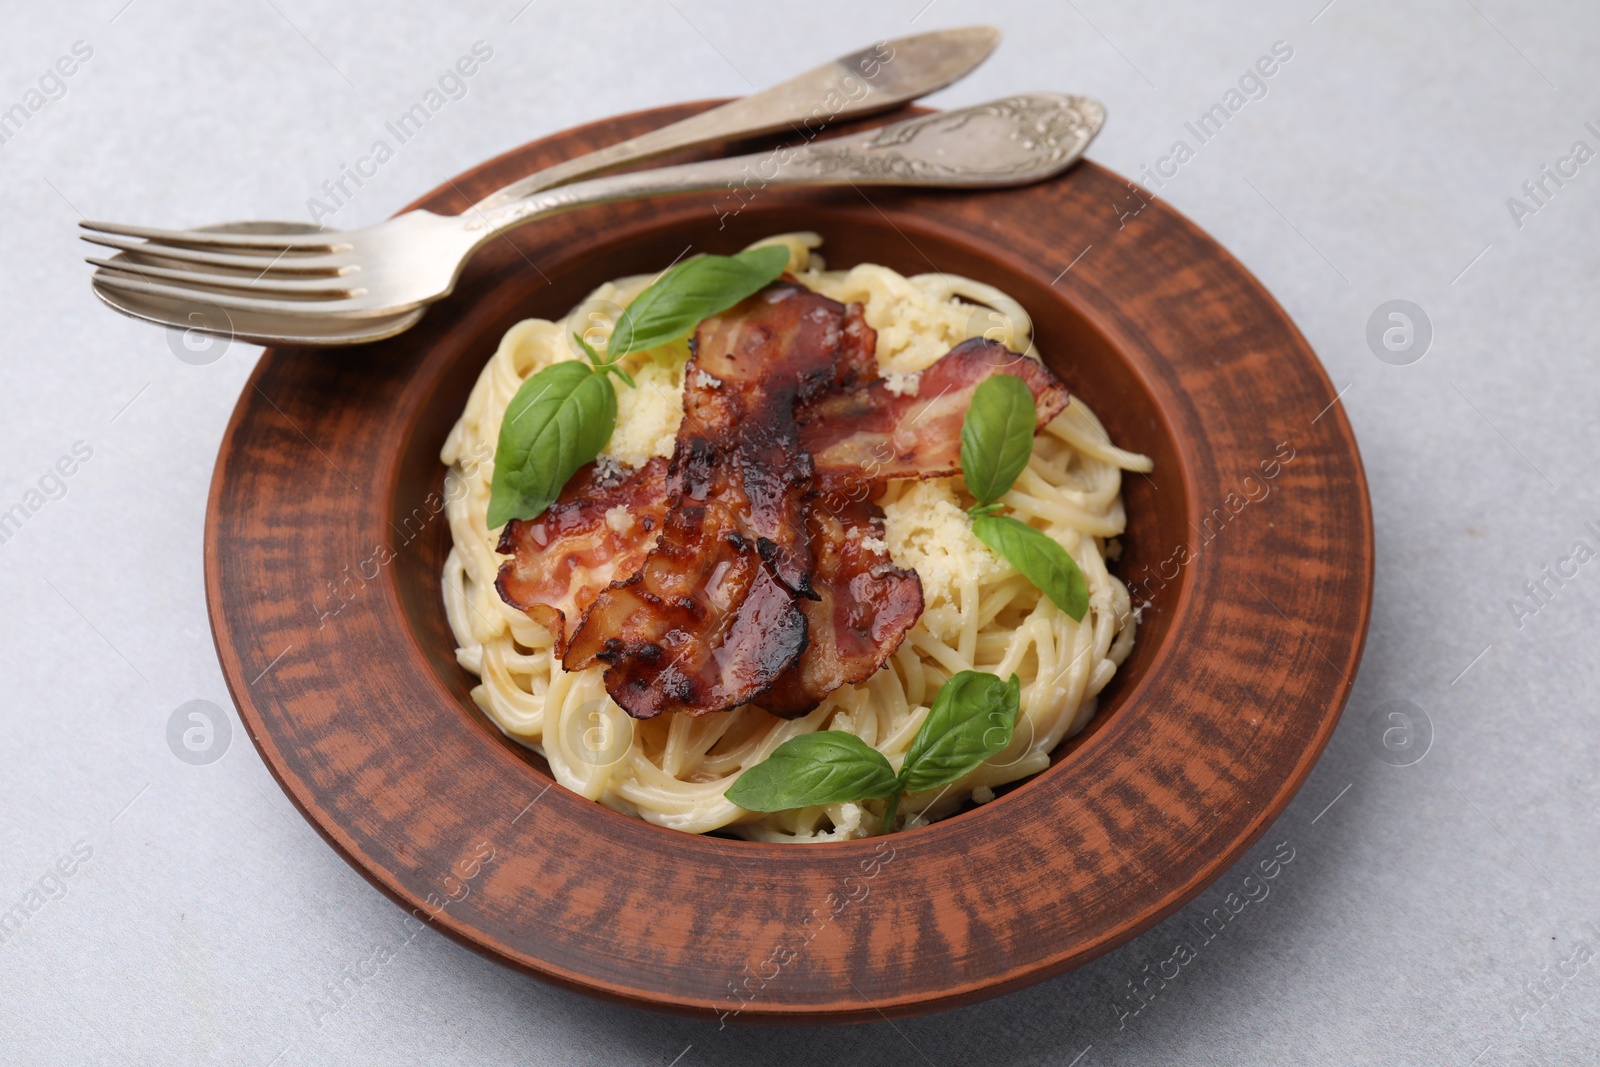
(1013,141)
(875,79)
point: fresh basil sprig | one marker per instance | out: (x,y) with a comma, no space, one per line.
(559,420)
(971,719)
(827,767)
(691,292)
(996,441)
(563,416)
(997,436)
(611,366)
(1039,557)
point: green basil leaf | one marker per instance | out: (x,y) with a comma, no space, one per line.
(971,719)
(1040,559)
(829,767)
(690,292)
(997,436)
(559,420)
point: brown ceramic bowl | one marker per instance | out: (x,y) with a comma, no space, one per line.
(1252,540)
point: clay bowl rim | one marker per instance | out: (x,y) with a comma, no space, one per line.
(1000,809)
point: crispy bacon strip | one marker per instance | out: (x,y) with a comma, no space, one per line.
(702,626)
(865,606)
(561,560)
(859,437)
(752,365)
(710,619)
(753,570)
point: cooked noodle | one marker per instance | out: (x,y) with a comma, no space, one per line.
(980,613)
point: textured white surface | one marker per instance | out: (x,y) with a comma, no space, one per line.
(1418,908)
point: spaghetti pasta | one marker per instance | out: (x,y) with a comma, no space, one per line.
(980,614)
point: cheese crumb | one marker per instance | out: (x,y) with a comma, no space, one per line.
(874,544)
(702,380)
(900,384)
(928,531)
(913,332)
(647,417)
(618,519)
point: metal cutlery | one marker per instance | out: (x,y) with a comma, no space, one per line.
(874,79)
(332,287)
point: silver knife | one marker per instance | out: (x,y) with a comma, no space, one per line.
(877,78)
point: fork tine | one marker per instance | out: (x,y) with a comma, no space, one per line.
(334,263)
(228,301)
(330,287)
(325,241)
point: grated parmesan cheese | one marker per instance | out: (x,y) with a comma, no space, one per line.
(928,531)
(900,384)
(647,417)
(912,332)
(618,519)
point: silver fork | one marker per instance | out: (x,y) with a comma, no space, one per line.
(871,80)
(330,287)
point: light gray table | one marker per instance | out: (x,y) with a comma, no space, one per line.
(1437,910)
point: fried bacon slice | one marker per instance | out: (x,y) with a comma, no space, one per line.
(702,626)
(710,619)
(864,436)
(561,560)
(752,365)
(864,607)
(754,569)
